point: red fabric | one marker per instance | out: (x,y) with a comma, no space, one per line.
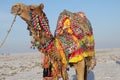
(77,52)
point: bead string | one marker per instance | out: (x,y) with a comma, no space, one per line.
(40,24)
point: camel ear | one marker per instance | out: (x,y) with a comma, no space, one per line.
(41,6)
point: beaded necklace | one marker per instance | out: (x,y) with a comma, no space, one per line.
(42,38)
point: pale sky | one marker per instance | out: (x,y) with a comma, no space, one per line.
(104,16)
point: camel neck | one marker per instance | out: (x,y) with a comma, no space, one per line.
(39,29)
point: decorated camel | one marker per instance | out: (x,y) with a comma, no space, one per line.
(72,43)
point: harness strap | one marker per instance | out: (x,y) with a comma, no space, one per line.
(8,31)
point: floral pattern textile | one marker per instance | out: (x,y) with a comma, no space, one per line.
(75,36)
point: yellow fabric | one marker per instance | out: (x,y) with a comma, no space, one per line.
(91,42)
(79,57)
(67,23)
(73,59)
(61,51)
(90,38)
(91,53)
(70,31)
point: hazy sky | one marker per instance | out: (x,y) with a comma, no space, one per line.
(103,14)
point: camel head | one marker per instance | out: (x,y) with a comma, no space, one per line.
(37,21)
(23,10)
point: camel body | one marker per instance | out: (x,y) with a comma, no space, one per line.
(72,43)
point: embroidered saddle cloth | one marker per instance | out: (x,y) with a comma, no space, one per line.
(74,36)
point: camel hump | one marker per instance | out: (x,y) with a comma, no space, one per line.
(78,23)
(72,31)
(67,33)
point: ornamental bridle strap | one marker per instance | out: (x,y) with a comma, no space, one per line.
(9,30)
(38,26)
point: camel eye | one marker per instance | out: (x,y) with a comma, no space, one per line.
(15,6)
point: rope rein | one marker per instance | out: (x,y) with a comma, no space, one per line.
(8,31)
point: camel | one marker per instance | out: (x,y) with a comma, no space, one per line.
(69,45)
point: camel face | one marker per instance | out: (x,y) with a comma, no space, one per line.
(24,10)
(17,8)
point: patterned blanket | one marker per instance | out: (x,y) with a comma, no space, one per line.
(74,36)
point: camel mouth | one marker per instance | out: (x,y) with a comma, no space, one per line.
(16,12)
(16,9)
(12,12)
